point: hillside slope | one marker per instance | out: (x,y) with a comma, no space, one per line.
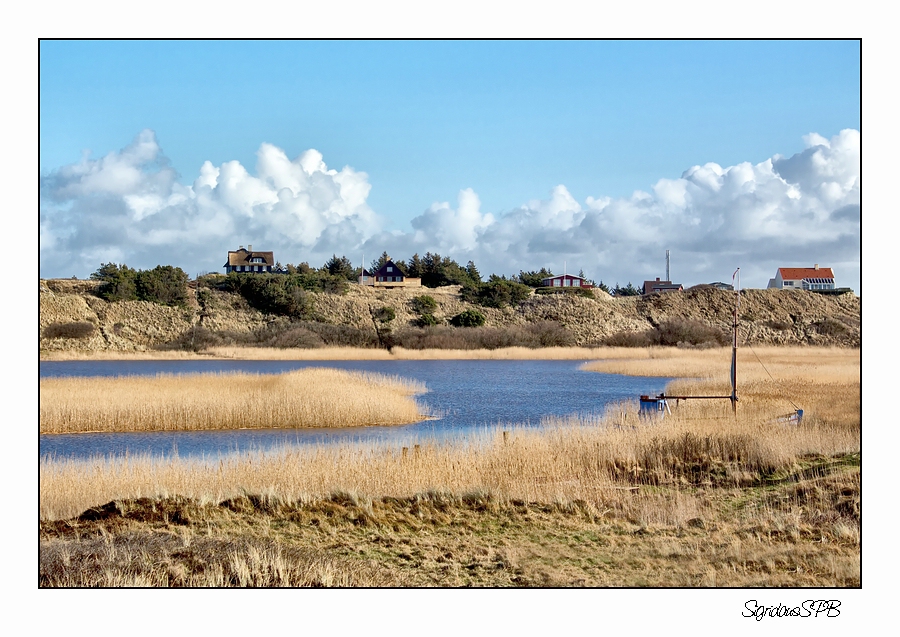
(767,316)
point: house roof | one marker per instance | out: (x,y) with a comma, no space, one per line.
(805,273)
(243,257)
(561,276)
(382,271)
(661,285)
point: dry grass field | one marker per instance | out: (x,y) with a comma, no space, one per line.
(700,498)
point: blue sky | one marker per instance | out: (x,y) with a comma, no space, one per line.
(457,147)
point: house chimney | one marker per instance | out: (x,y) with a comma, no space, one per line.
(249,248)
(816,266)
(657,278)
(240,247)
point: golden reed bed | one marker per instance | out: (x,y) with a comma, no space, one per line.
(597,461)
(303,398)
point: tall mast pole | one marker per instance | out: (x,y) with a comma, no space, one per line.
(736,283)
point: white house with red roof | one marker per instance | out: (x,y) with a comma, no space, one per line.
(814,278)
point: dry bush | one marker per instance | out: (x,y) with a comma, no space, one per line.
(690,332)
(532,335)
(277,334)
(673,332)
(830,327)
(77,329)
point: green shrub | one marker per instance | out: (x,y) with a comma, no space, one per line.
(118,282)
(163,284)
(628,290)
(424,304)
(280,294)
(77,329)
(534,278)
(426,319)
(385,314)
(585,292)
(469,318)
(497,292)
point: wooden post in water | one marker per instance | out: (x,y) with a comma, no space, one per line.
(505,437)
(736,282)
(405,451)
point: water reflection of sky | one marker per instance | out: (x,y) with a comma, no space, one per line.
(468,396)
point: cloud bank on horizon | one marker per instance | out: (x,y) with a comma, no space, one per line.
(129,207)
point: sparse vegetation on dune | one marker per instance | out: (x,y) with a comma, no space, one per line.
(290,312)
(700,498)
(316,397)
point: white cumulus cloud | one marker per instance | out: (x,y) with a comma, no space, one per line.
(785,211)
(129,207)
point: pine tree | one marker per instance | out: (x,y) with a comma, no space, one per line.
(473,272)
(379,262)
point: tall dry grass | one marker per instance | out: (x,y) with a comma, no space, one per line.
(780,363)
(304,398)
(567,461)
(145,560)
(597,461)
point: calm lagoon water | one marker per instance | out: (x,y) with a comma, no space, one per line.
(467,396)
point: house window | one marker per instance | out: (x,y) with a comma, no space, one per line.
(390,269)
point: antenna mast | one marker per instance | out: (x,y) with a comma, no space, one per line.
(667,267)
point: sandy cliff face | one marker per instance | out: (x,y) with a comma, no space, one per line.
(767,316)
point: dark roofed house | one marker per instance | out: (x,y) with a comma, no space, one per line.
(388,276)
(246,260)
(661,286)
(565,281)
